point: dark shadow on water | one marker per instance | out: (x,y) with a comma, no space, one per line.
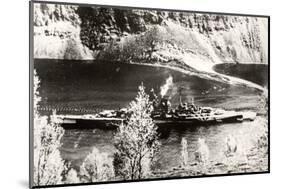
(257,73)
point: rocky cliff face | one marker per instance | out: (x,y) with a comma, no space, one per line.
(71,32)
(57,33)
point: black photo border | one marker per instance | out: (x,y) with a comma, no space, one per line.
(31,68)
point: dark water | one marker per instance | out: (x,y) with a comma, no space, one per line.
(257,73)
(96,85)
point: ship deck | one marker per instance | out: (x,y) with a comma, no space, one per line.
(92,121)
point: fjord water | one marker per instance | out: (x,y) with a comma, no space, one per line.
(75,87)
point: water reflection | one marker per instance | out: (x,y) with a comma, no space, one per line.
(72,86)
(78,143)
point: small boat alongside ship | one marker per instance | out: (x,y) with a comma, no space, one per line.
(185,114)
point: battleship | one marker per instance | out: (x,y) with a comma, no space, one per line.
(185,114)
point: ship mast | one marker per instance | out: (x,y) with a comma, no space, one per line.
(180,91)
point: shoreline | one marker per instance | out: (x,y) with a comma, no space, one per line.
(211,74)
(194,70)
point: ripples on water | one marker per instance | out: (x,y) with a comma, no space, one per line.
(78,143)
(80,85)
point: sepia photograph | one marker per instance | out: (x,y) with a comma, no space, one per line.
(121,94)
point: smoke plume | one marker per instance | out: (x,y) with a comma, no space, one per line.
(164,89)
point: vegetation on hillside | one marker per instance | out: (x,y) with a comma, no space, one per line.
(220,38)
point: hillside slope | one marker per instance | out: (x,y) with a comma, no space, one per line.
(71,32)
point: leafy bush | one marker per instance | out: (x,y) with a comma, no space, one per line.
(136,47)
(72,177)
(136,141)
(96,167)
(48,164)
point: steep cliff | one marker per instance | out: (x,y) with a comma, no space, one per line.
(200,40)
(57,33)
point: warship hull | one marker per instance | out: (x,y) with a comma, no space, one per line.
(82,122)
